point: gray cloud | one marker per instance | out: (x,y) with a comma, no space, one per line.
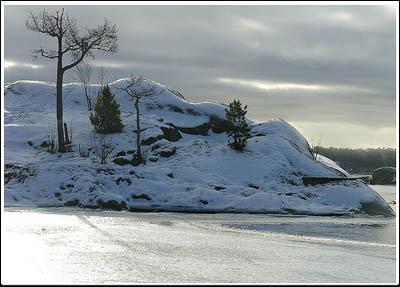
(349,49)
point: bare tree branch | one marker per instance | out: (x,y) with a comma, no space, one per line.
(42,23)
(102,38)
(84,73)
(50,54)
(132,89)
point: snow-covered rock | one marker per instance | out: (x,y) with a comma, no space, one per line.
(189,167)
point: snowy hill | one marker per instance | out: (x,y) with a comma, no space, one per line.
(189,168)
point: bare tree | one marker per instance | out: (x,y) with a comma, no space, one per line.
(83,75)
(69,42)
(136,92)
(51,137)
(101,74)
(83,152)
(314,147)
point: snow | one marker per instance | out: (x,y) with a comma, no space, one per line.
(206,174)
(330,163)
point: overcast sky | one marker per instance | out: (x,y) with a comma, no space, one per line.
(328,70)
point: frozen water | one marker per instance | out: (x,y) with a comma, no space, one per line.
(60,245)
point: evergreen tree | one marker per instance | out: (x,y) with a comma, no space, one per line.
(239,130)
(106,117)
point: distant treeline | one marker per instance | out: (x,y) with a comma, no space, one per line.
(361,161)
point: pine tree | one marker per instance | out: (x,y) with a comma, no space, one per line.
(106,117)
(239,130)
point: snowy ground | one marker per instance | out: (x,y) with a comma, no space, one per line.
(70,245)
(198,173)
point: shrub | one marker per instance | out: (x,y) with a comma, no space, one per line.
(103,146)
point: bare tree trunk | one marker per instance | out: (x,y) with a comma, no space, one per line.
(138,145)
(67,140)
(88,101)
(60,127)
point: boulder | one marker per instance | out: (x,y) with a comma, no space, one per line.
(384,175)
(151,140)
(168,152)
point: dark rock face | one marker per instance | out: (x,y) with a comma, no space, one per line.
(154,147)
(121,161)
(175,109)
(111,204)
(74,202)
(252,185)
(171,134)
(374,208)
(151,140)
(121,153)
(135,161)
(216,124)
(311,180)
(199,130)
(141,196)
(219,125)
(384,175)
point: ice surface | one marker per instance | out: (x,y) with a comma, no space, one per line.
(71,246)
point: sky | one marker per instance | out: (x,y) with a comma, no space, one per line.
(328,70)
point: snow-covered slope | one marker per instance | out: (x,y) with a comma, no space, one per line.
(189,167)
